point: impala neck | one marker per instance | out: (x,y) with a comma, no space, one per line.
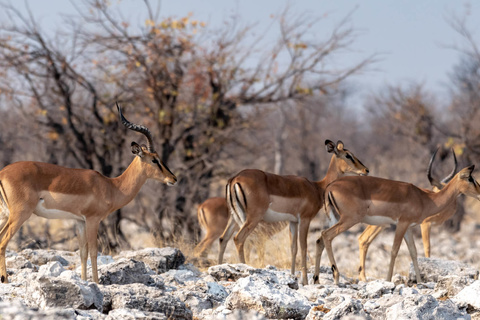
(441,200)
(333,173)
(128,184)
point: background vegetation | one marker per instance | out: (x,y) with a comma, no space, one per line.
(217,101)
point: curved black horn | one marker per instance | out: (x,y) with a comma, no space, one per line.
(139,128)
(454,171)
(434,182)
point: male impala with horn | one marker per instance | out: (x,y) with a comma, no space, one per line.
(256,196)
(377,201)
(372,231)
(56,192)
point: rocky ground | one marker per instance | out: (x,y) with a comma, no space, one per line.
(158,283)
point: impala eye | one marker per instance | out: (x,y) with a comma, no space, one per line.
(470,179)
(349,157)
(155,161)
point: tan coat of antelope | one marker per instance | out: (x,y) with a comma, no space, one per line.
(213,217)
(86,196)
(254,196)
(372,231)
(377,201)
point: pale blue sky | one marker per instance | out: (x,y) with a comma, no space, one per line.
(410,35)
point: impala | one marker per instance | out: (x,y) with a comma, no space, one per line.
(56,192)
(213,217)
(372,231)
(256,196)
(377,201)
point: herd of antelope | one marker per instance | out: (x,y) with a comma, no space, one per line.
(257,203)
(262,203)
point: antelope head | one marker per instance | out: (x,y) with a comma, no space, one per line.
(346,162)
(467,183)
(154,167)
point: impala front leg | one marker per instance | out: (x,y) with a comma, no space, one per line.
(91,233)
(14,222)
(82,245)
(397,241)
(413,253)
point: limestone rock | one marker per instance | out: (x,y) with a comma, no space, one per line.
(148,299)
(274,300)
(18,262)
(377,288)
(452,284)
(230,272)
(425,307)
(48,292)
(432,269)
(41,256)
(349,307)
(126,271)
(159,260)
(469,297)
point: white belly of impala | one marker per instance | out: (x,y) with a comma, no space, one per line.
(274,216)
(41,211)
(378,220)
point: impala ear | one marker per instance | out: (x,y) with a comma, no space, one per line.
(466,172)
(137,149)
(330,146)
(339,145)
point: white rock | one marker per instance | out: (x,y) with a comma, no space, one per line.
(425,307)
(453,284)
(377,288)
(469,296)
(51,269)
(269,298)
(432,269)
(349,307)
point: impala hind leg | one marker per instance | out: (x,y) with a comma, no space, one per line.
(242,235)
(202,249)
(397,241)
(364,241)
(83,248)
(319,247)
(293,244)
(425,227)
(231,228)
(92,245)
(328,235)
(413,253)
(13,224)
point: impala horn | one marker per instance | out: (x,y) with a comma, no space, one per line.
(434,182)
(139,128)
(454,171)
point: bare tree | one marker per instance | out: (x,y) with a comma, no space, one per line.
(199,89)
